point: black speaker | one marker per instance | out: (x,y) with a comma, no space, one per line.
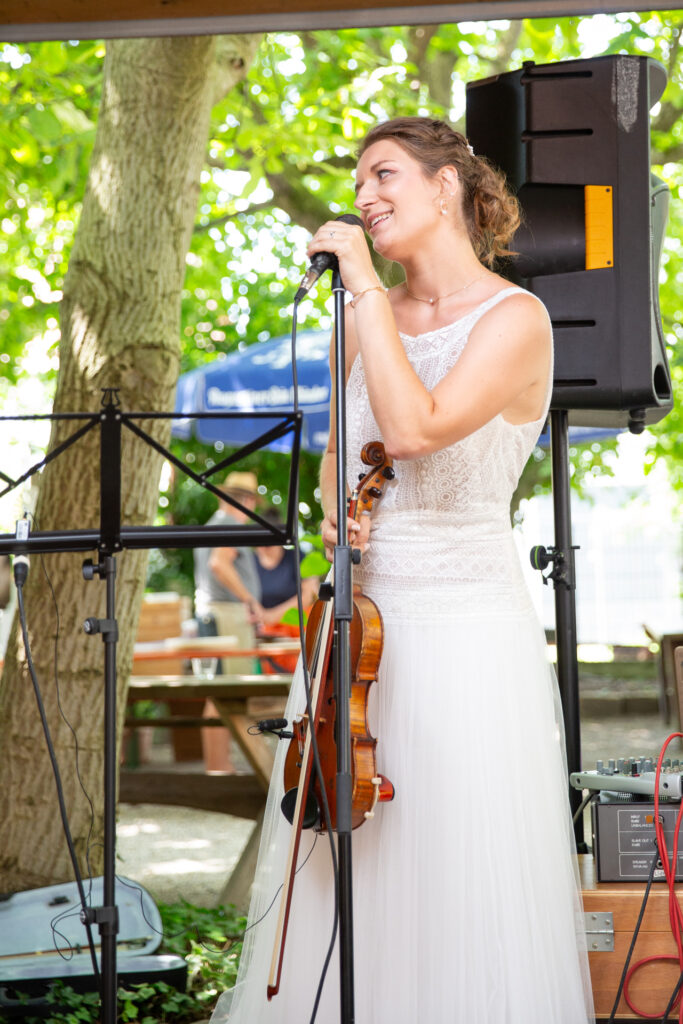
(573,139)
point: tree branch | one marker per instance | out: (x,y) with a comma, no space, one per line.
(234,57)
(667,156)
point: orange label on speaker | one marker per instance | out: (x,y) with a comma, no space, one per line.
(599,227)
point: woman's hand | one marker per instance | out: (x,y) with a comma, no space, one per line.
(347,242)
(359,533)
(256,613)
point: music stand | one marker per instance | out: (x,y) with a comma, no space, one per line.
(112,537)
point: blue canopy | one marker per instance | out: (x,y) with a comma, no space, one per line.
(582,435)
(259,379)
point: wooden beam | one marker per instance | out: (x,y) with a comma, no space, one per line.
(28,20)
(238,794)
(32,12)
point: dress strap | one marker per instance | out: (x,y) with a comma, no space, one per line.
(488,304)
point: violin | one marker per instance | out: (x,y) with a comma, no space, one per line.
(302,802)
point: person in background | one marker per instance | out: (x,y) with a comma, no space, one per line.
(278,571)
(227,587)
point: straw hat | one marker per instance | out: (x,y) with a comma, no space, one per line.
(241,483)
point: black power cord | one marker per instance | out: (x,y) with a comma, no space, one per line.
(636,930)
(21,569)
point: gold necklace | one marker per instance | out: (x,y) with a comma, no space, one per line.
(440,297)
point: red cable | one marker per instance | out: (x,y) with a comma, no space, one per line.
(632,970)
(675,912)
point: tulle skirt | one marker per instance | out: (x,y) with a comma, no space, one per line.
(466,903)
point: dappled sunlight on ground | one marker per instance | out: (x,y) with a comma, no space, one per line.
(178,853)
(137,828)
(189,867)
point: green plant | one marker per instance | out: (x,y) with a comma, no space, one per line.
(209,939)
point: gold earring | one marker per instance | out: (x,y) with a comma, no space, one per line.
(442,204)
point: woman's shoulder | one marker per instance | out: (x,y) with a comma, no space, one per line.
(516,308)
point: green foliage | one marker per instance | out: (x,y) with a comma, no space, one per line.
(49,93)
(197,934)
(279,160)
(149,1003)
(210,941)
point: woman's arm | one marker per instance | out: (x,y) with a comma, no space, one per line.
(222,565)
(503,369)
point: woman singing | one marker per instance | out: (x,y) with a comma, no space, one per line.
(466,908)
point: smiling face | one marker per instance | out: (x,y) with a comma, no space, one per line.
(396,200)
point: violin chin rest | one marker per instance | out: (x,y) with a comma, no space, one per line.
(311,810)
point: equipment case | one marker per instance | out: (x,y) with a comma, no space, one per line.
(611,911)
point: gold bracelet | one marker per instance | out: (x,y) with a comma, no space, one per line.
(355,299)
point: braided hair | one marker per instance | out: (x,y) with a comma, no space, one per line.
(490,210)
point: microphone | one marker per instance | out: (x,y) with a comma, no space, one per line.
(323,261)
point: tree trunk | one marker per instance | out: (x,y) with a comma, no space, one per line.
(120,329)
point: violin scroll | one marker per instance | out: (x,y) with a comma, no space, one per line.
(371,485)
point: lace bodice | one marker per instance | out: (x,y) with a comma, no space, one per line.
(444,520)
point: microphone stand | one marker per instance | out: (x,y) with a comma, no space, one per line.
(343,614)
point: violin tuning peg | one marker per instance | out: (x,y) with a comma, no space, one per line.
(361,476)
(374,492)
(388,473)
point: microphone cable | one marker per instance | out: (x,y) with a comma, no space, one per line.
(21,567)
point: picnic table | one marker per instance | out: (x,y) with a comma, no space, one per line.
(240,700)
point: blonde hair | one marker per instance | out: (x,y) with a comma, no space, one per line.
(490,210)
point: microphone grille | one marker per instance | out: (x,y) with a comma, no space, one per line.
(351,218)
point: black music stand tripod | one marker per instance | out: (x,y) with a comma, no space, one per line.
(112,537)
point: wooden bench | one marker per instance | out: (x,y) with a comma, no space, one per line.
(677,669)
(670,694)
(653,984)
(240,700)
(161,616)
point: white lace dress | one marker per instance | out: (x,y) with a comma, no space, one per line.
(466,907)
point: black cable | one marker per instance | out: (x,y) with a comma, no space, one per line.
(674,996)
(582,806)
(211,949)
(655,862)
(77,749)
(20,574)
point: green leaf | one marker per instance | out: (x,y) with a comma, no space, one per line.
(71,117)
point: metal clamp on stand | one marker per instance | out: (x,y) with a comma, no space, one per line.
(562,573)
